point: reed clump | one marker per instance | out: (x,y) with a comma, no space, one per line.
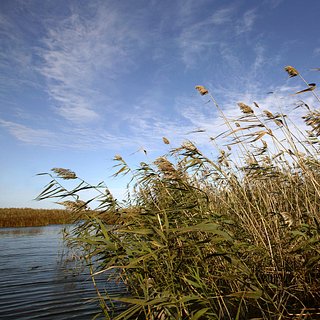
(236,236)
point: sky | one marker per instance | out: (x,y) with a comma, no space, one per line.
(82,81)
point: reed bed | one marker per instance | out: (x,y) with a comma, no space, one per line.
(27,217)
(236,236)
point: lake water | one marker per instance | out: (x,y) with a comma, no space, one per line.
(37,283)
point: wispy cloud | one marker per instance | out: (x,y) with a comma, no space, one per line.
(77,138)
(222,16)
(41,137)
(246,23)
(79,52)
(15,58)
(203,38)
(198,38)
(273,3)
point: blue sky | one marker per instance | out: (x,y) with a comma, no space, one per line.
(82,81)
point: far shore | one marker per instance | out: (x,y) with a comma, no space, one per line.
(28,217)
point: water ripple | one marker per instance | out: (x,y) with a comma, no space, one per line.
(36,285)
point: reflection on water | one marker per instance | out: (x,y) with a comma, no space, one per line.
(9,232)
(36,285)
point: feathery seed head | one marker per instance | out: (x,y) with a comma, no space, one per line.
(64,173)
(292,72)
(165,140)
(268,114)
(188,145)
(164,165)
(245,108)
(74,205)
(117,158)
(202,90)
(313,120)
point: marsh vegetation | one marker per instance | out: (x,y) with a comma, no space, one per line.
(28,217)
(231,236)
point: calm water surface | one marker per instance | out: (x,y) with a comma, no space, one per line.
(37,283)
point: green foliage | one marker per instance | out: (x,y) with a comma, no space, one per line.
(237,237)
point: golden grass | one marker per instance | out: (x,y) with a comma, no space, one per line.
(27,217)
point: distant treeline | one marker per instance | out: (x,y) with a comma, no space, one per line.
(27,217)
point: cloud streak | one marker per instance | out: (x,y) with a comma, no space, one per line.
(246,23)
(198,38)
(78,53)
(71,138)
(41,137)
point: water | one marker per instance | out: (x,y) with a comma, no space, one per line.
(37,283)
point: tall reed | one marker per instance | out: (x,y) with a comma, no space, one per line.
(234,237)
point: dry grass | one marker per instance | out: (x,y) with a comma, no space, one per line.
(233,237)
(27,217)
